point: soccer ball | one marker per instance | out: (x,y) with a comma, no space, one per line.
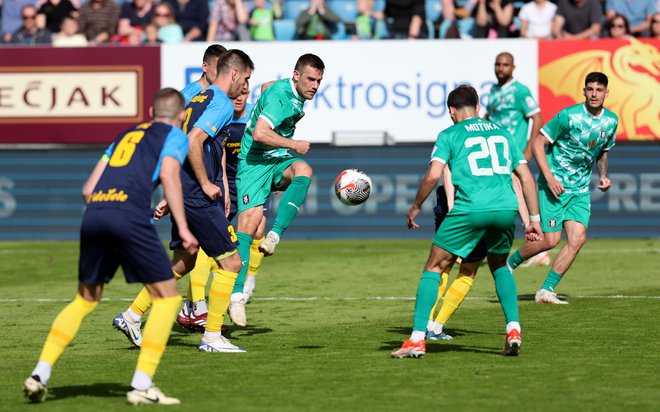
(353,187)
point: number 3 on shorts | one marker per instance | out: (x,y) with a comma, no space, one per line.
(232,233)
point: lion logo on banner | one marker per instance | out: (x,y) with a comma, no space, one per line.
(634,72)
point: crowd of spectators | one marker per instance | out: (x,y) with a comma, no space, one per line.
(92,22)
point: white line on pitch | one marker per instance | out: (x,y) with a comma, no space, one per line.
(320,298)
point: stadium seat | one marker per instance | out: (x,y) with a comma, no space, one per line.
(292,9)
(442,30)
(345,9)
(339,31)
(466,26)
(380,30)
(284,29)
(433,10)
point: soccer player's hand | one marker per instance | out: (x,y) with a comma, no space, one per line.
(555,186)
(413,212)
(533,232)
(162,210)
(605,184)
(211,190)
(190,243)
(227,206)
(301,147)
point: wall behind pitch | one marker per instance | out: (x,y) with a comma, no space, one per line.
(40,194)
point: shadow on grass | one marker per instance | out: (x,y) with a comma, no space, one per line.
(97,390)
(309,347)
(532,297)
(453,332)
(443,346)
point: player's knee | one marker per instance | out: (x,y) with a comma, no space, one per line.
(577,241)
(231,263)
(304,169)
(551,240)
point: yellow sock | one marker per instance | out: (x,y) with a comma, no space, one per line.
(256,257)
(455,296)
(221,287)
(65,328)
(199,276)
(444,278)
(143,300)
(156,332)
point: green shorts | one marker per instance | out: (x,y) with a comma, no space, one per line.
(256,179)
(460,232)
(569,206)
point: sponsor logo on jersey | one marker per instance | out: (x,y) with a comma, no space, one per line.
(602,134)
(246,199)
(530,102)
(552,223)
(112,195)
(199,98)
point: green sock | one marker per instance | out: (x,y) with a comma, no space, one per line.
(244,242)
(551,281)
(515,259)
(427,294)
(507,293)
(292,199)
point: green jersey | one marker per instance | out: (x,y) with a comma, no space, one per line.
(577,139)
(510,106)
(282,108)
(481,157)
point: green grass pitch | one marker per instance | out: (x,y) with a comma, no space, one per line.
(325,317)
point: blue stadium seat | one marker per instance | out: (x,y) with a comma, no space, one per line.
(339,31)
(444,26)
(380,30)
(466,26)
(284,29)
(433,10)
(292,9)
(345,9)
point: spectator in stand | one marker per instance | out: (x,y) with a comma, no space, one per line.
(134,17)
(51,14)
(365,22)
(29,33)
(536,18)
(260,22)
(655,26)
(167,29)
(493,18)
(98,20)
(193,17)
(11,16)
(618,27)
(577,19)
(314,22)
(228,21)
(405,18)
(638,13)
(68,35)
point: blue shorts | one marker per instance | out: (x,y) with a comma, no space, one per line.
(215,234)
(109,238)
(441,209)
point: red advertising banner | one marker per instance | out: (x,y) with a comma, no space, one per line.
(633,69)
(75,95)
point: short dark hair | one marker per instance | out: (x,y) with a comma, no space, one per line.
(310,60)
(463,96)
(234,59)
(214,50)
(596,77)
(168,103)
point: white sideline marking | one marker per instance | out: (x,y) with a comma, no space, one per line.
(327,299)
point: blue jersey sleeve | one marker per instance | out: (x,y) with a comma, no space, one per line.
(191,91)
(176,146)
(108,153)
(217,115)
